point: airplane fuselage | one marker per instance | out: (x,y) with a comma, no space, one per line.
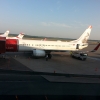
(29,45)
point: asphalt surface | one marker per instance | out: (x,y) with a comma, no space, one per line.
(61,63)
(37,85)
(43,78)
(34,87)
(12,64)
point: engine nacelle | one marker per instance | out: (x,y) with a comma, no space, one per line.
(39,53)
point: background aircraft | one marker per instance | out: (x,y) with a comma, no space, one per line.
(20,36)
(5,34)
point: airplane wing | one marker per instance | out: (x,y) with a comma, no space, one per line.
(96,48)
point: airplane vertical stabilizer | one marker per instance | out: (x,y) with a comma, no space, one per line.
(84,37)
(6,34)
(20,36)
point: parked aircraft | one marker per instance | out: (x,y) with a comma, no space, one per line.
(5,34)
(20,36)
(44,48)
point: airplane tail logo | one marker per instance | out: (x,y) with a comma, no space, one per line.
(84,37)
(20,36)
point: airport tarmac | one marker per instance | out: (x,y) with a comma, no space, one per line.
(60,63)
(63,63)
(16,83)
(11,64)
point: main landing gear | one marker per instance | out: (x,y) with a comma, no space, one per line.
(48,56)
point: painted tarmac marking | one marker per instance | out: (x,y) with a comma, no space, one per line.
(94,58)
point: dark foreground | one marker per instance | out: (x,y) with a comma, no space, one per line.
(35,87)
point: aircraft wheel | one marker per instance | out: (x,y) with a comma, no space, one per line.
(49,56)
(46,57)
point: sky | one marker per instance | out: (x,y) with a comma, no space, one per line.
(50,18)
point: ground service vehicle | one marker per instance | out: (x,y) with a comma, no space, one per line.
(79,55)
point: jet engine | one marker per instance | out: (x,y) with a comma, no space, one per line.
(39,53)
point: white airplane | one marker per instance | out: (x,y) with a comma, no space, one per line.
(44,48)
(5,34)
(20,36)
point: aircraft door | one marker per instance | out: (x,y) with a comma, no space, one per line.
(77,46)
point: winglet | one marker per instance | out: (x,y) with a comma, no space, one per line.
(96,48)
